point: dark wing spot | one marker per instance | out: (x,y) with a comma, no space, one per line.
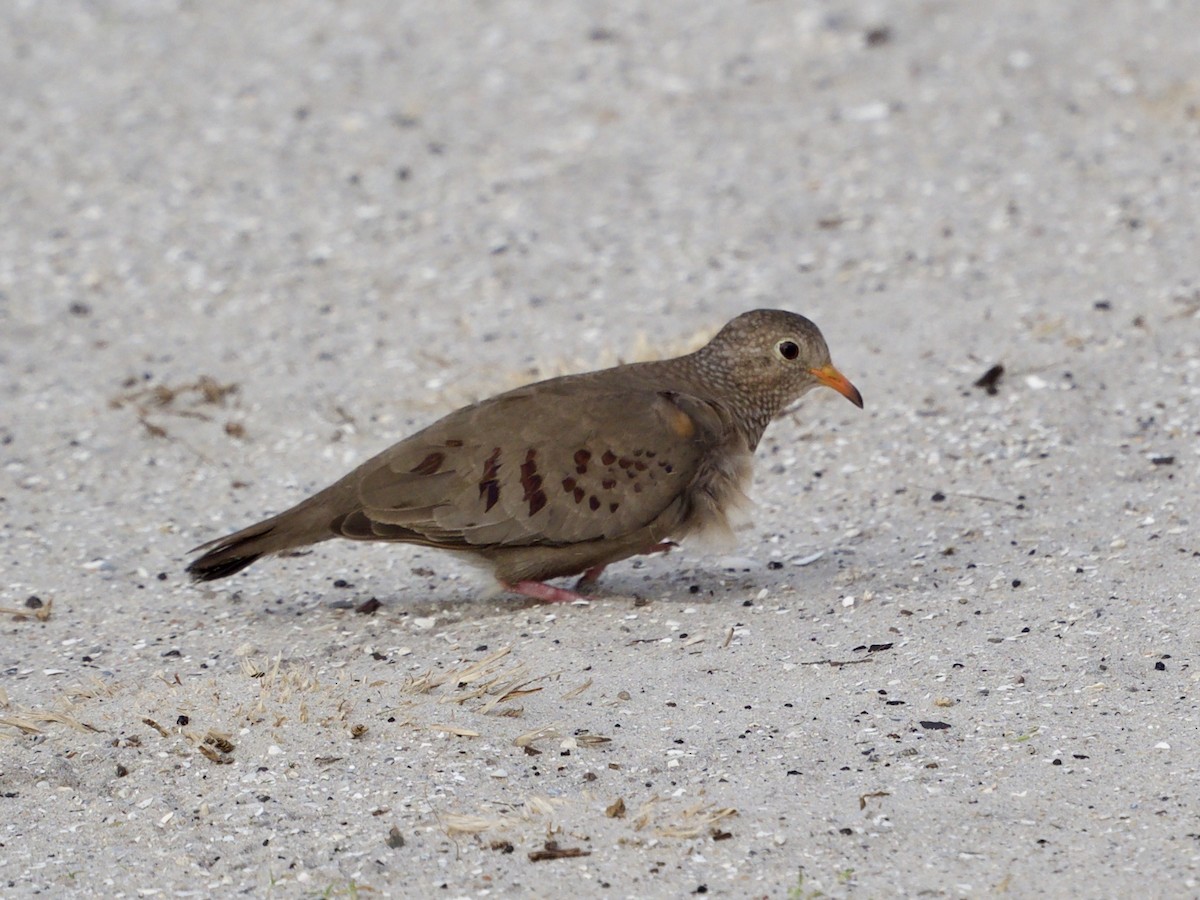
(637,487)
(489,484)
(491,466)
(608,484)
(530,480)
(493,494)
(612,507)
(453,442)
(581,461)
(640,466)
(624,462)
(594,502)
(536,502)
(429,464)
(579,493)
(568,484)
(608,458)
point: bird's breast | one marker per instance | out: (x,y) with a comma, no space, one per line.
(717,499)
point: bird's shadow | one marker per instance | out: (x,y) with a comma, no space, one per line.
(449,593)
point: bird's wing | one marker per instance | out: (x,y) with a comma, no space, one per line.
(551,466)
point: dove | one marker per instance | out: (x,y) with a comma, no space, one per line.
(566,476)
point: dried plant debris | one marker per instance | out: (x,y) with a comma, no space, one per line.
(691,822)
(990,380)
(575,692)
(527,740)
(35,608)
(485,668)
(534,808)
(368,607)
(551,850)
(152,402)
(455,824)
(874,795)
(216,748)
(30,721)
(67,711)
(162,731)
(487,679)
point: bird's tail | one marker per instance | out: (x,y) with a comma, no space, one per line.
(296,527)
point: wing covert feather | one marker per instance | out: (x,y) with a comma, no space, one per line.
(552,466)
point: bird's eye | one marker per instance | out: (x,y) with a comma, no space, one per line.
(789,350)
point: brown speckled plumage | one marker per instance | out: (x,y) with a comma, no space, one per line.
(568,475)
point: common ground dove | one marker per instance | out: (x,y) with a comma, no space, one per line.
(568,475)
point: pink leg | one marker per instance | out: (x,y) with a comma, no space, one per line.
(545,592)
(592,575)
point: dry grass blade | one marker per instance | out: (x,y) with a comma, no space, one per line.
(575,692)
(539,806)
(42,613)
(23,725)
(483,667)
(645,811)
(454,729)
(510,691)
(429,680)
(496,683)
(454,823)
(94,688)
(548,732)
(29,721)
(64,719)
(592,740)
(551,850)
(695,822)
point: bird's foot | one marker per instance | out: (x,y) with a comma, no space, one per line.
(547,593)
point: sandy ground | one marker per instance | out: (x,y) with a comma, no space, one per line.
(244,246)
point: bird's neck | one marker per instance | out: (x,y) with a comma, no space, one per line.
(748,417)
(752,424)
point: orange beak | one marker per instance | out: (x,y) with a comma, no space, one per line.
(831,377)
